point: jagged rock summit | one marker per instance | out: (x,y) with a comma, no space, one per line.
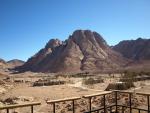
(84,50)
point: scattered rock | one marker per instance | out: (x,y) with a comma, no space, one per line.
(2,90)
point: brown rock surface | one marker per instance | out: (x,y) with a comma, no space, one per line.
(84,50)
(3,64)
(134,49)
(14,63)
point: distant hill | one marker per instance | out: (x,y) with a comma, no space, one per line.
(2,63)
(138,51)
(84,50)
(15,63)
(4,66)
(134,49)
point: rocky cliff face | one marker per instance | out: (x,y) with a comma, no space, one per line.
(84,50)
(134,49)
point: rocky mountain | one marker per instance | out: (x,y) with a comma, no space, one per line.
(2,63)
(10,64)
(84,50)
(3,66)
(15,63)
(134,49)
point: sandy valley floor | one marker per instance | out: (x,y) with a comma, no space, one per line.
(25,91)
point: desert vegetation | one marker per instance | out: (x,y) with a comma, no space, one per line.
(75,75)
(91,81)
(47,82)
(130,76)
(59,86)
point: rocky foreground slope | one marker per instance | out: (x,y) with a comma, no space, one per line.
(84,50)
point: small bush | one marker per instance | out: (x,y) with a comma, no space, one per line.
(119,86)
(48,83)
(77,75)
(135,76)
(92,81)
(129,77)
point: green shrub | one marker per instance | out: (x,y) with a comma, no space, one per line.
(129,77)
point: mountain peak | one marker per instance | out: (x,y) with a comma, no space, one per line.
(53,43)
(134,49)
(81,36)
(83,50)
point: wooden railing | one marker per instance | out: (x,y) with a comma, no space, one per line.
(116,105)
(112,107)
(53,102)
(7,108)
(89,97)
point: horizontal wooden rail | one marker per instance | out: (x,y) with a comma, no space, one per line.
(77,98)
(20,105)
(145,94)
(7,108)
(132,92)
(128,92)
(98,94)
(62,100)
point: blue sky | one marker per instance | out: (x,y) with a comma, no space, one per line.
(27,25)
